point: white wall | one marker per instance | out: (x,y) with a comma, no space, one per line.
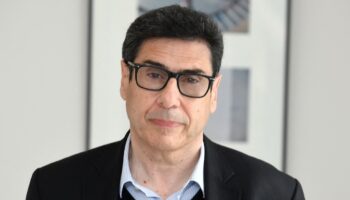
(42,91)
(319,99)
(42,87)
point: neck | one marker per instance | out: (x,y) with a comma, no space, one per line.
(163,171)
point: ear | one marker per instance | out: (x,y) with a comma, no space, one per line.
(124,83)
(214,93)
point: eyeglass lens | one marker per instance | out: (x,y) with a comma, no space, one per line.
(154,78)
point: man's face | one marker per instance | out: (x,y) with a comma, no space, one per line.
(167,120)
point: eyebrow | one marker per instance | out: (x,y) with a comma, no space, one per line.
(186,71)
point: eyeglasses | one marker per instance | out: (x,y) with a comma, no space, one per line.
(155,78)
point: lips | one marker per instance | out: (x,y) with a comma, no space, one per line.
(166,123)
(167,118)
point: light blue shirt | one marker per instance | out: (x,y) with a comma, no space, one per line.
(139,192)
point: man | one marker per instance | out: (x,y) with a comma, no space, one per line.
(170,80)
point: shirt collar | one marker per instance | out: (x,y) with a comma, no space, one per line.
(197,174)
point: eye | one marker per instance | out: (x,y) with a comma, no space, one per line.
(191,79)
(154,75)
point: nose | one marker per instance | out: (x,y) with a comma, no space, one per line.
(170,96)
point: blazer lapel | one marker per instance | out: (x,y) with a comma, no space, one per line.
(220,181)
(102,182)
(103,179)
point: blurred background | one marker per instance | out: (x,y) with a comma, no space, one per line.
(44,54)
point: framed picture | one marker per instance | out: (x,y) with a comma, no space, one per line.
(250,114)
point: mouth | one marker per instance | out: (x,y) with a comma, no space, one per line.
(166,123)
(167,118)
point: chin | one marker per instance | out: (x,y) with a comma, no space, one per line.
(170,142)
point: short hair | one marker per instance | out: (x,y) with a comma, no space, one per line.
(174,22)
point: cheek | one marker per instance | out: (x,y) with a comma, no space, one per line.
(133,106)
(200,115)
(138,103)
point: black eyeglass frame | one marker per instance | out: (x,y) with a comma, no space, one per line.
(175,75)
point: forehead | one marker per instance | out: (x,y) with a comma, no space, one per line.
(176,54)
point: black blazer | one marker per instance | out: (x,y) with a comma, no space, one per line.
(95,175)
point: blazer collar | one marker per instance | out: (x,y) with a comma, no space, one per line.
(104,178)
(220,180)
(102,182)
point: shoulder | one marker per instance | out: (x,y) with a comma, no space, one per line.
(65,178)
(238,161)
(255,176)
(241,162)
(80,161)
